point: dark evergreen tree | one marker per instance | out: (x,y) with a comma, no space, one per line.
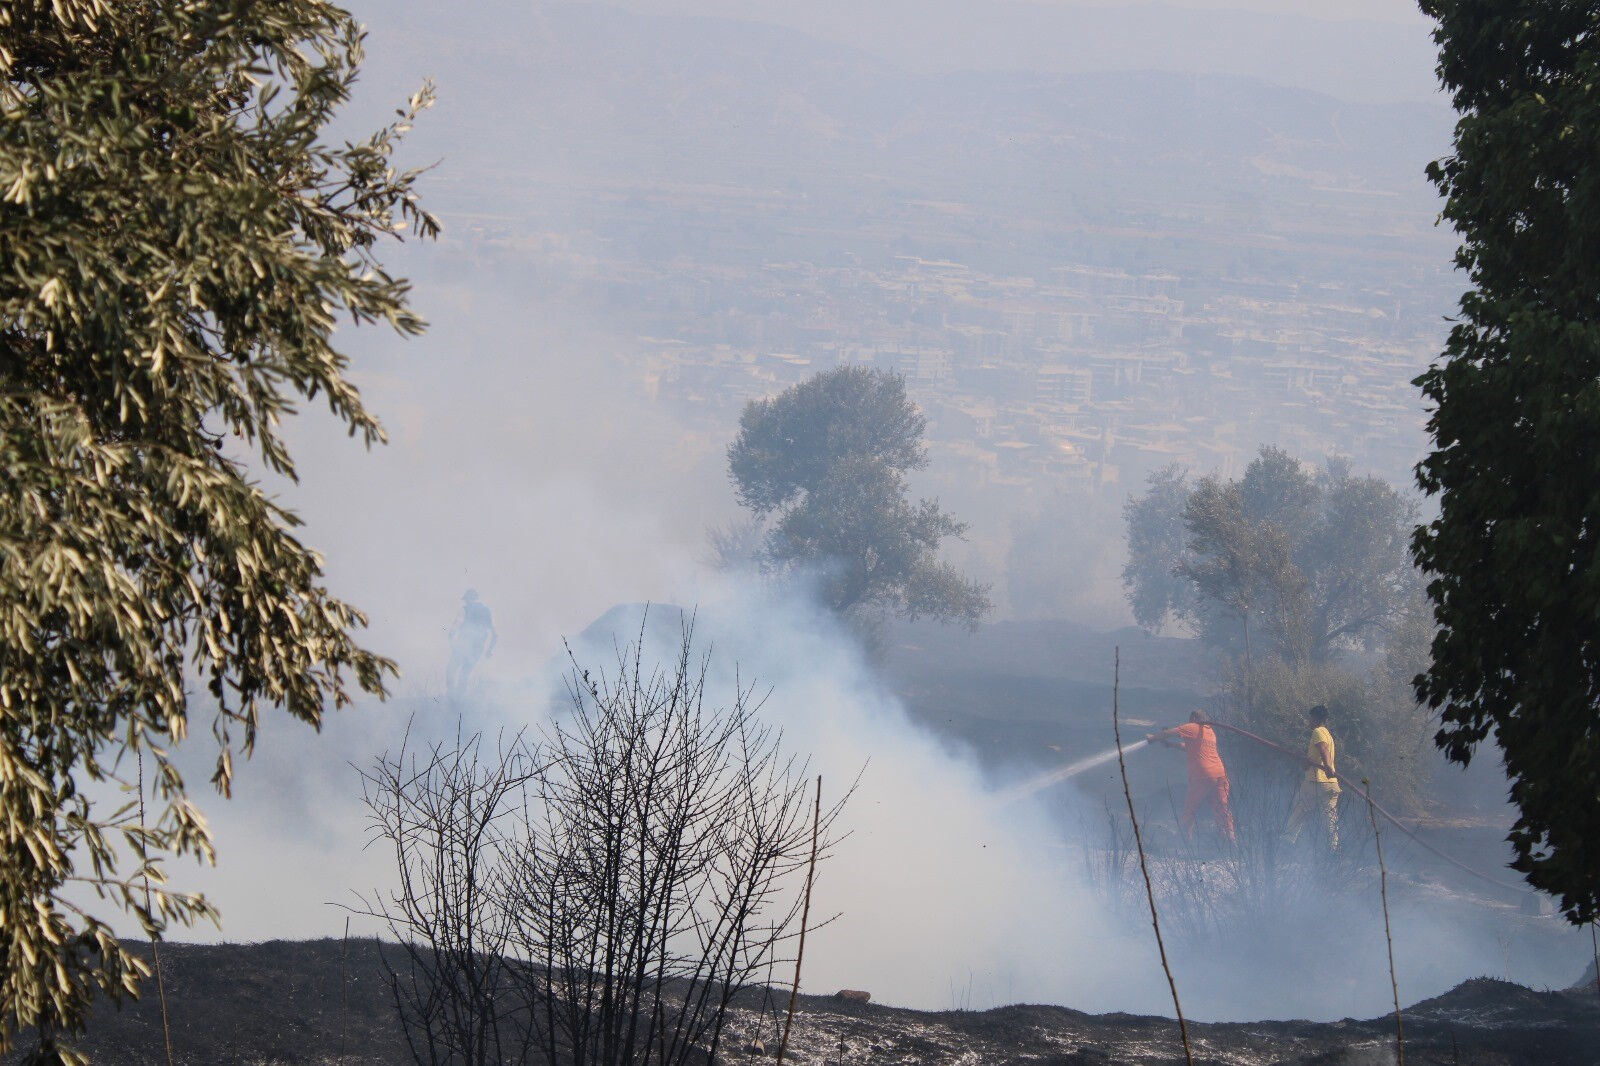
(1514,554)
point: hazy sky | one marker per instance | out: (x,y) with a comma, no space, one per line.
(1358,50)
(1401,12)
(1397,11)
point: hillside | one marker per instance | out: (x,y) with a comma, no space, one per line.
(323,1002)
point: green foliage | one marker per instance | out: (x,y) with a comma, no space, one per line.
(1380,729)
(1304,565)
(1239,563)
(1157,541)
(792,444)
(1287,572)
(1514,553)
(175,245)
(826,462)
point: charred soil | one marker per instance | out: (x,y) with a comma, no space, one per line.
(325,1002)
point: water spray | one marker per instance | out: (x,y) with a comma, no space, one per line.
(1063,773)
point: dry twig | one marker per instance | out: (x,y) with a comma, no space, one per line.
(1144,868)
(805,915)
(344,992)
(1596,942)
(155,947)
(1388,935)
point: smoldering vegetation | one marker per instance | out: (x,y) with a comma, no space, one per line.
(557,506)
(946,896)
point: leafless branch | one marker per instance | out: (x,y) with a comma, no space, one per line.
(1144,867)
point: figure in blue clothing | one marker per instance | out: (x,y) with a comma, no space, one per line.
(472,640)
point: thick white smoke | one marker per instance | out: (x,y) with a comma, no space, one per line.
(944,896)
(523,466)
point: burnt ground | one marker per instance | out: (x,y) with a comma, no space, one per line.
(324,1002)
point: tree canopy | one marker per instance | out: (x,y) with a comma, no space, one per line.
(1302,563)
(1514,554)
(825,463)
(176,244)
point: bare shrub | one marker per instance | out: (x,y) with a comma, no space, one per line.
(451,815)
(601,895)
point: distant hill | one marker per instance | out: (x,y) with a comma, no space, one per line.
(1055,649)
(1026,695)
(1324,49)
(585,90)
(324,1002)
(1016,696)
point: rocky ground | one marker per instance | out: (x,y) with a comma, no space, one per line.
(324,1002)
(1482,1021)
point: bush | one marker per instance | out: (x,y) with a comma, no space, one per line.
(601,894)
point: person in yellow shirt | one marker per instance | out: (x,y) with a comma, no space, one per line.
(1319,790)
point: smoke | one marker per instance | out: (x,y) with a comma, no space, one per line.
(943,897)
(519,465)
(958,890)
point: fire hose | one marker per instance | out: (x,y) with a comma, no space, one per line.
(1367,795)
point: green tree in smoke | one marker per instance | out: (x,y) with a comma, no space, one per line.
(1157,541)
(824,463)
(1286,570)
(175,243)
(1514,553)
(1302,564)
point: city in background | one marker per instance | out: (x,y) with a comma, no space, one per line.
(1083,277)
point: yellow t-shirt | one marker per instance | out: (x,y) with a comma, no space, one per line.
(1320,736)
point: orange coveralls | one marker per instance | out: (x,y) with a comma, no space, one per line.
(1208,778)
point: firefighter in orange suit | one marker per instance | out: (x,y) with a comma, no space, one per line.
(1208,778)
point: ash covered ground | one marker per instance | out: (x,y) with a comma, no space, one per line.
(325,1002)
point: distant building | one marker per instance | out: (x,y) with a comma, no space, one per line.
(1064,385)
(925,365)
